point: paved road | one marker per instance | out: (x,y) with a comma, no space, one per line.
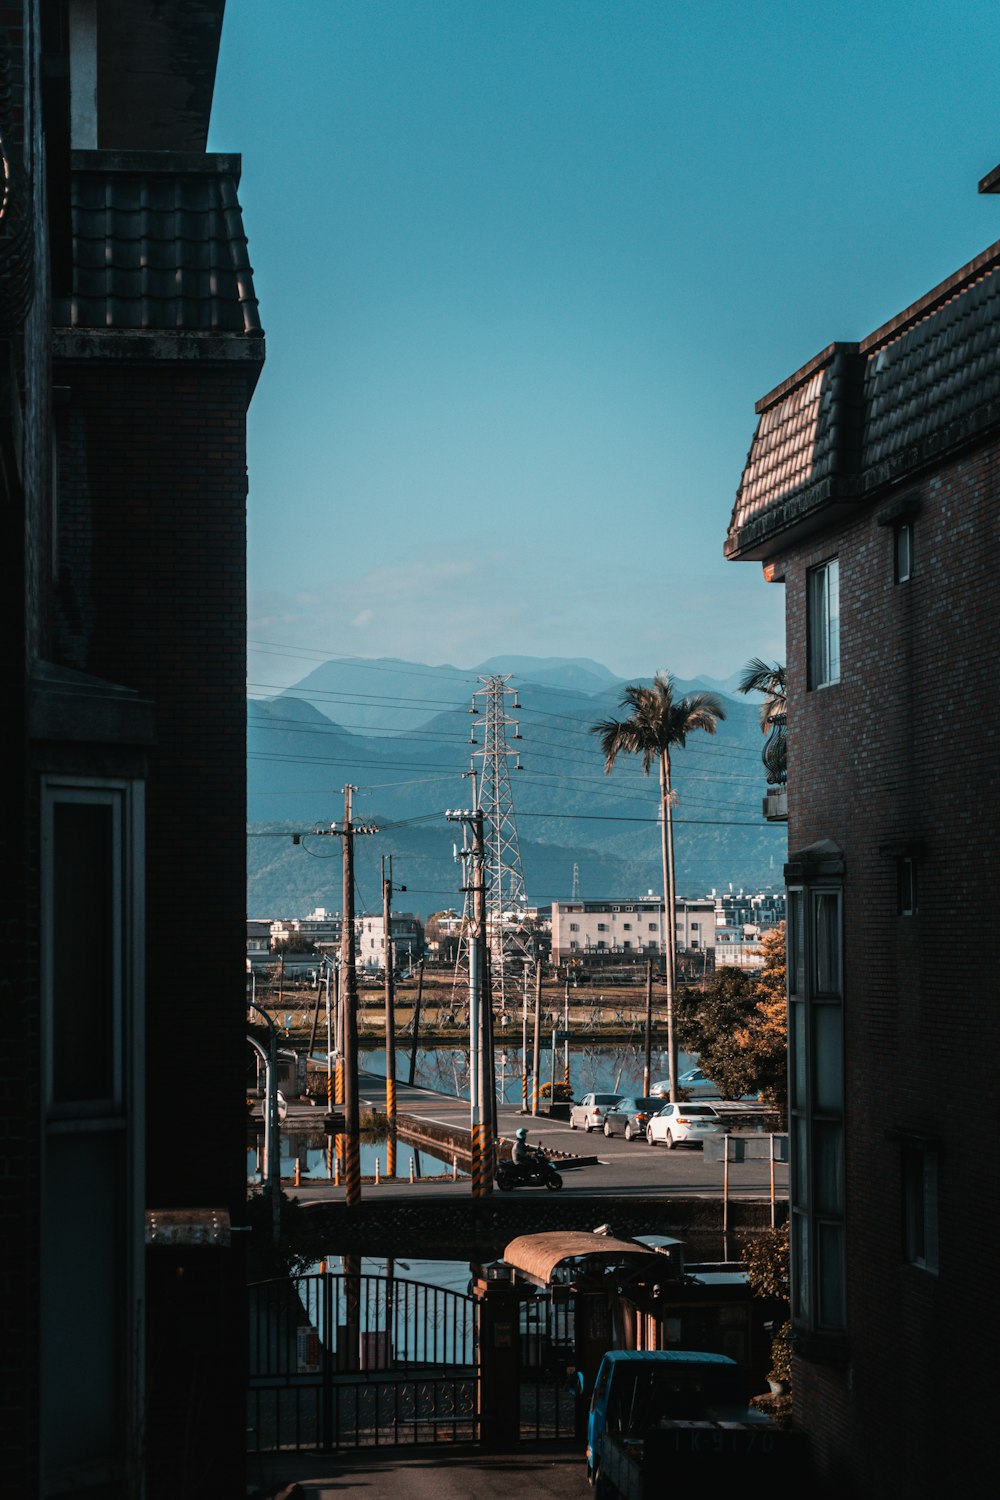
(552,1472)
(593,1163)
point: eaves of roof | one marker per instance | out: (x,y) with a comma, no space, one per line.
(158,246)
(861,416)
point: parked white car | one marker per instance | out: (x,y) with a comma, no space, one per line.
(591,1111)
(684,1125)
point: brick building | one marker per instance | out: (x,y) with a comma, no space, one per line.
(131,346)
(872,491)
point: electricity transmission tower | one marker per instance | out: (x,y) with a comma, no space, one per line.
(508,940)
(506,918)
(576,883)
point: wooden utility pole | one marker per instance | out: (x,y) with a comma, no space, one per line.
(647,1065)
(535,1060)
(524,1043)
(482,1149)
(349,1000)
(390,1019)
(349,1004)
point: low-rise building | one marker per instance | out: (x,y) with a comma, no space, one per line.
(596,931)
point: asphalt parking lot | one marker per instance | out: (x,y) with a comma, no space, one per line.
(545,1472)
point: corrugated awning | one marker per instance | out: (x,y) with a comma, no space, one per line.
(538,1255)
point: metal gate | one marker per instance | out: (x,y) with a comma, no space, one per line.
(548,1359)
(345,1360)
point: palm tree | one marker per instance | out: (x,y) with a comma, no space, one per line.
(769,678)
(657,724)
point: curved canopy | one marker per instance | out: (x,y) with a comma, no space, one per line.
(538,1255)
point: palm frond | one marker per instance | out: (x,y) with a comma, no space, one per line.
(767,678)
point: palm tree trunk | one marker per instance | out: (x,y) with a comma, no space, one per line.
(669,918)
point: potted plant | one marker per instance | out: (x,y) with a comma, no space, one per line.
(767,1264)
(779,1377)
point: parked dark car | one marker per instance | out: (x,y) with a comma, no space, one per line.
(630,1116)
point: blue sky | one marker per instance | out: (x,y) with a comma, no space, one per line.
(524,267)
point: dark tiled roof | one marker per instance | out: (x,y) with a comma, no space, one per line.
(158,244)
(861,415)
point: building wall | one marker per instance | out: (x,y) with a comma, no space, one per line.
(158,551)
(900,757)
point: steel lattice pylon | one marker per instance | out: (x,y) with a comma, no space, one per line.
(508,939)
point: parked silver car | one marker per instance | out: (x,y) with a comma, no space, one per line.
(591,1111)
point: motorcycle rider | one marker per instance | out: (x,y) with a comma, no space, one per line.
(521,1153)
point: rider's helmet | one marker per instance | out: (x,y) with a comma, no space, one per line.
(522,1134)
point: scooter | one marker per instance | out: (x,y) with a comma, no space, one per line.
(537,1171)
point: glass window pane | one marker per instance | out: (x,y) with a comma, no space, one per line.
(798,1055)
(828,1035)
(833,620)
(84,973)
(828,1168)
(799,1261)
(799,1147)
(795,955)
(830,1275)
(826,908)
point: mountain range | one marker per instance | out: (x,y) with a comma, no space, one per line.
(404,734)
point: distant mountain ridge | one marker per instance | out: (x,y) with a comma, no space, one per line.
(392,694)
(400,732)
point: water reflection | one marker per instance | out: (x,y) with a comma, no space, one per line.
(315,1158)
(617,1069)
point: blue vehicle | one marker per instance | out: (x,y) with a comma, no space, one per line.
(659,1416)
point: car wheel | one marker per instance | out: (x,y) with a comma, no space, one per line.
(607,1129)
(628,1132)
(588,1127)
(650,1138)
(572,1123)
(668,1141)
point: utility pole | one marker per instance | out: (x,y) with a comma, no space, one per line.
(390,1015)
(524,1043)
(349,988)
(480,1111)
(347,1086)
(538,1027)
(647,1065)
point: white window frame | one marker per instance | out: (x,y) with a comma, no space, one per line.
(823,623)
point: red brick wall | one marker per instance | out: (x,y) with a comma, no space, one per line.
(905,747)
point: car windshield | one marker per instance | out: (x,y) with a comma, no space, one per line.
(699,1109)
(606,1098)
